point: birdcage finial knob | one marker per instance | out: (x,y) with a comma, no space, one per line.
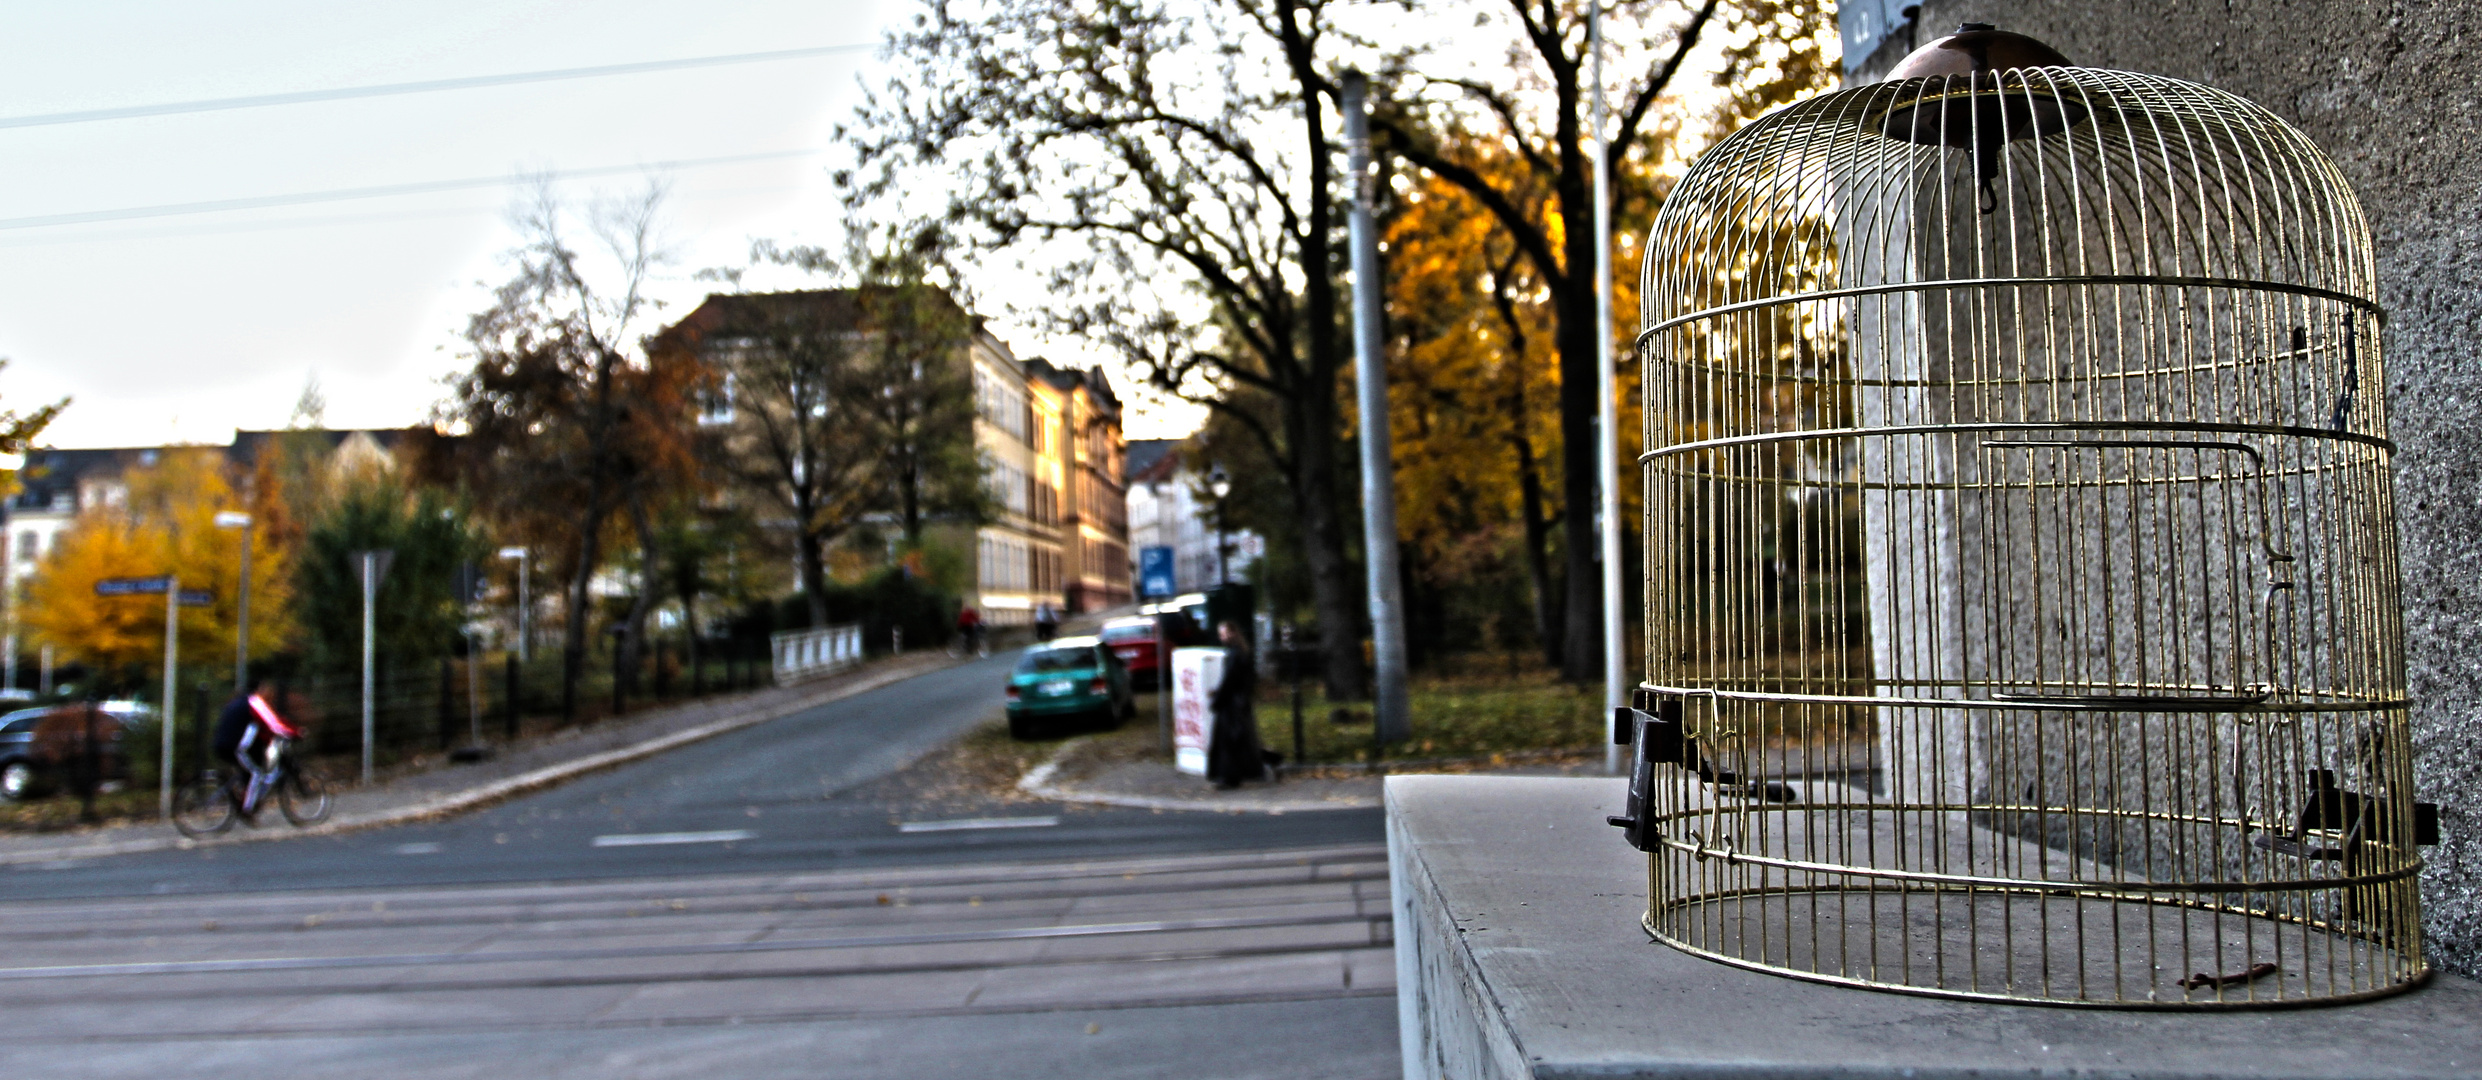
(1973,49)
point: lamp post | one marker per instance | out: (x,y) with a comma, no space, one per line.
(1221,485)
(525,602)
(235,519)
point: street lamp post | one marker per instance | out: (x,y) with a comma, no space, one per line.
(525,602)
(235,519)
(1221,485)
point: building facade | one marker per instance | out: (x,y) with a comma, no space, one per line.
(1171,506)
(1048,439)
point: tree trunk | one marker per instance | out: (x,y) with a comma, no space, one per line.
(573,646)
(633,635)
(1311,409)
(1580,462)
(814,575)
(1547,626)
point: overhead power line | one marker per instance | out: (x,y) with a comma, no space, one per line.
(472,82)
(381,191)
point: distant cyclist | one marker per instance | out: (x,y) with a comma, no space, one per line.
(246,731)
(969,630)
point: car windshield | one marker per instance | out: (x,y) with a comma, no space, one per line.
(1133,632)
(1042,660)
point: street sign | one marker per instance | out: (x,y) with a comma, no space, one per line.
(1155,577)
(133,586)
(197,597)
(373,563)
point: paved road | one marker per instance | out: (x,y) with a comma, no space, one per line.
(733,908)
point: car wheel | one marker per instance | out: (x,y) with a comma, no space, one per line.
(1021,728)
(16,781)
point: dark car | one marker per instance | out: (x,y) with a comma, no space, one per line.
(20,771)
(42,748)
(1072,678)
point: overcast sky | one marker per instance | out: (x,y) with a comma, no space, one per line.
(180,327)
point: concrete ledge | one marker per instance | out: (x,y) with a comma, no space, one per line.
(1519,954)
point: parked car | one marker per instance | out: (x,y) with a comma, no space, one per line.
(20,772)
(1071,678)
(41,748)
(1132,639)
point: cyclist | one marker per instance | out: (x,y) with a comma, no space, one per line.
(969,630)
(246,733)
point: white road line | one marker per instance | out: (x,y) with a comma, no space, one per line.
(724,836)
(425,847)
(978,823)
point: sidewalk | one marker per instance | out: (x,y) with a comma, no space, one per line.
(532,766)
(1071,776)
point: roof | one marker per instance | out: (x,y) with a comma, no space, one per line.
(248,444)
(51,471)
(731,315)
(1146,454)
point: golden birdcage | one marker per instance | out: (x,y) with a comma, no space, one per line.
(2022,617)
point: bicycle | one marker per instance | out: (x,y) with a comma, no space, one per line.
(209,805)
(974,642)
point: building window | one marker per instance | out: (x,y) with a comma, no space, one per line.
(29,546)
(715,402)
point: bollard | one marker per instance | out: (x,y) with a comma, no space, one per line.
(447,705)
(508,698)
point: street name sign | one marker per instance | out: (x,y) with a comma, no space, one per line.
(132,586)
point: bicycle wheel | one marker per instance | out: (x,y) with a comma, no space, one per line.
(203,807)
(304,800)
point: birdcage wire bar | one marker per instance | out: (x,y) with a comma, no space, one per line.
(2022,612)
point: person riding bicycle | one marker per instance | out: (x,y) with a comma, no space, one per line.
(969,629)
(246,733)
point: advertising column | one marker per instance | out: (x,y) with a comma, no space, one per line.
(1196,672)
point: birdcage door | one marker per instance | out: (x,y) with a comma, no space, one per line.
(2135,572)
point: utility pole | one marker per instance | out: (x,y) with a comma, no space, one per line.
(1387,614)
(234,519)
(1607,512)
(373,565)
(525,602)
(164,719)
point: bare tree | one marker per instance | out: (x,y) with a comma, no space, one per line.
(792,404)
(1541,108)
(570,429)
(1187,157)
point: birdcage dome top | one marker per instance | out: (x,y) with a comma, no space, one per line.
(2078,175)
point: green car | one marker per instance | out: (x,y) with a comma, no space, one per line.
(1071,678)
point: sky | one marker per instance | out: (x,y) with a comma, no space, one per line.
(180,327)
(181,274)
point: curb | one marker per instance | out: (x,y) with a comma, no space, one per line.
(478,797)
(1037,782)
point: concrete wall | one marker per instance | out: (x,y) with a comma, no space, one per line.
(2392,89)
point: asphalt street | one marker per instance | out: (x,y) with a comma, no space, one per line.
(738,907)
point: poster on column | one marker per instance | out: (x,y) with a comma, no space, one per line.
(1196,672)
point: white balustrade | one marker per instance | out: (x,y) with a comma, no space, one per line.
(808,654)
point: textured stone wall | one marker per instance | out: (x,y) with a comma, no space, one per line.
(2392,89)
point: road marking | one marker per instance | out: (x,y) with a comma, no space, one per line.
(426,847)
(721,836)
(629,952)
(978,823)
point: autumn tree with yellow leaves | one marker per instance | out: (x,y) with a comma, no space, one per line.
(165,525)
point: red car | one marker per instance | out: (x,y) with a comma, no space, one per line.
(1132,638)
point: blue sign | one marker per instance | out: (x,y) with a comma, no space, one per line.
(1155,577)
(132,586)
(196,597)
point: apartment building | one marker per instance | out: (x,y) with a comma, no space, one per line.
(1049,441)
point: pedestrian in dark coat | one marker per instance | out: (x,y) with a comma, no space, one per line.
(1233,752)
